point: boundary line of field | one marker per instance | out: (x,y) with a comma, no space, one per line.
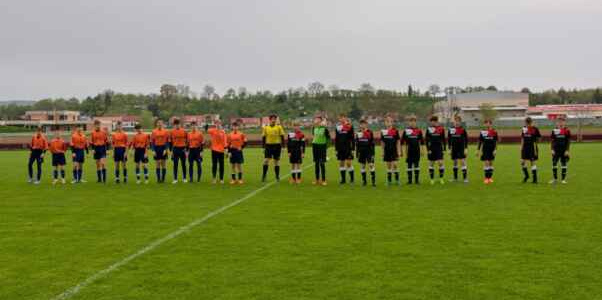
(102,273)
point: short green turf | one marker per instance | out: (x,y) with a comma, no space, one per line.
(455,241)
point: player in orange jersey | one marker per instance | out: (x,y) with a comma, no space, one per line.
(195,152)
(58,147)
(119,140)
(218,146)
(38,146)
(140,142)
(159,143)
(79,144)
(178,138)
(100,141)
(236,141)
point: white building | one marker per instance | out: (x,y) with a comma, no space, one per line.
(508,105)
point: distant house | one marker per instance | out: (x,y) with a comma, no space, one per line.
(201,120)
(51,115)
(551,112)
(247,122)
(110,122)
(508,105)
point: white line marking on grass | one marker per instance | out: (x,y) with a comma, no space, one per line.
(102,273)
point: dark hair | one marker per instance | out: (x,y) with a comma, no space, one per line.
(138,126)
(119,123)
(363,121)
(458,118)
(235,123)
(96,122)
(528,120)
(176,121)
(193,123)
(273,116)
(434,119)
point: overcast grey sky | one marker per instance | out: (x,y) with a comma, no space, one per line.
(64,48)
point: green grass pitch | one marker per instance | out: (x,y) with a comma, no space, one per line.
(505,241)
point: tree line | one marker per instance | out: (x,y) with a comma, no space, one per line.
(177,100)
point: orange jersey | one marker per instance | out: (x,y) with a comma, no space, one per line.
(236,140)
(218,139)
(99,138)
(178,137)
(119,139)
(39,142)
(159,137)
(195,139)
(58,145)
(78,140)
(140,140)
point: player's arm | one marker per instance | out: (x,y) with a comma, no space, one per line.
(327,135)
(444,141)
(568,142)
(428,141)
(303,143)
(282,137)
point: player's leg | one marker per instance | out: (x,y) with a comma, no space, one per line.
(266,162)
(191,160)
(117,168)
(464,170)
(277,167)
(389,171)
(417,170)
(363,172)
(564,167)
(183,161)
(373,172)
(350,170)
(432,171)
(137,164)
(534,170)
(441,171)
(525,169)
(555,160)
(342,171)
(30,163)
(221,162)
(163,169)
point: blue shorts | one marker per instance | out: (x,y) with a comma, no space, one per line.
(236,156)
(119,154)
(78,156)
(178,153)
(194,154)
(140,155)
(160,153)
(100,152)
(58,159)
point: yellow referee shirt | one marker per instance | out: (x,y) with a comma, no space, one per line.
(273,134)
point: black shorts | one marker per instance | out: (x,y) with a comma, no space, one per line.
(560,157)
(160,152)
(140,156)
(390,155)
(178,153)
(119,154)
(236,156)
(344,153)
(435,155)
(457,154)
(272,151)
(78,156)
(295,157)
(100,152)
(529,153)
(413,158)
(319,153)
(58,159)
(194,154)
(365,157)
(488,155)
(36,154)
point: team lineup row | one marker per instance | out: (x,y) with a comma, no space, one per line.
(186,147)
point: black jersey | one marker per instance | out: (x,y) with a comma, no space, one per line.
(364,140)
(488,139)
(344,137)
(435,138)
(296,142)
(457,138)
(561,139)
(389,138)
(530,136)
(413,138)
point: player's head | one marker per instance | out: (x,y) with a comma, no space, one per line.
(342,118)
(235,125)
(388,121)
(412,121)
(434,120)
(97,125)
(363,124)
(273,119)
(57,132)
(39,129)
(297,125)
(488,122)
(194,125)
(457,120)
(159,124)
(138,128)
(561,121)
(176,123)
(119,126)
(318,120)
(217,123)
(528,121)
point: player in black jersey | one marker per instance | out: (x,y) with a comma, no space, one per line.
(364,140)
(296,151)
(529,151)
(561,141)
(435,145)
(390,142)
(344,146)
(413,139)
(487,147)
(458,144)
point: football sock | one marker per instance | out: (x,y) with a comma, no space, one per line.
(534,173)
(233,176)
(104,175)
(116,174)
(138,173)
(455,173)
(389,174)
(396,172)
(343,172)
(239,175)
(417,175)
(75,174)
(323,170)
(265,172)
(351,174)
(317,171)
(410,175)
(146,173)
(80,174)
(163,173)
(99,175)
(564,171)
(555,172)
(158,173)
(526,173)
(432,173)
(125,175)
(63,174)
(441,172)
(55,174)
(277,172)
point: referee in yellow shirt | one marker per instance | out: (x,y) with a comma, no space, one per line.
(273,141)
